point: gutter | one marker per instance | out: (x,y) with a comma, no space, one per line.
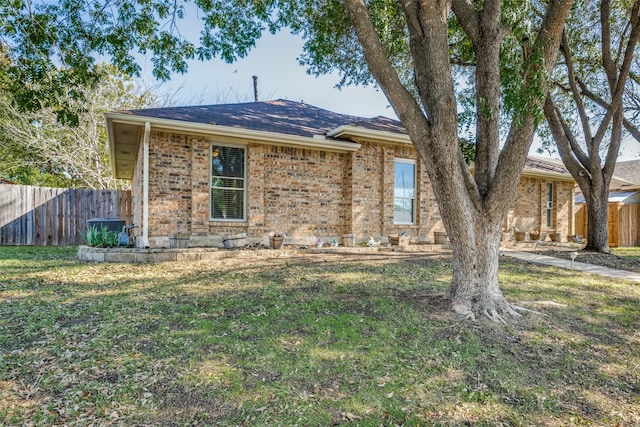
(550,175)
(349,131)
(317,141)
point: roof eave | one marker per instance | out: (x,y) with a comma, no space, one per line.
(549,175)
(357,132)
(317,141)
(533,173)
(111,144)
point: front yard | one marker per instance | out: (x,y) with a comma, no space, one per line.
(306,340)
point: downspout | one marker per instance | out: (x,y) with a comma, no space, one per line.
(145,186)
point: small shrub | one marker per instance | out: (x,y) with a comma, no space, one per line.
(100,238)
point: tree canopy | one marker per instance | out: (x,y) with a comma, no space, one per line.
(39,149)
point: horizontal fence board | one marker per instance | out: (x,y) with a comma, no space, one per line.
(55,216)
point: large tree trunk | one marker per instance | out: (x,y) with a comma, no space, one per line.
(474,288)
(598,219)
(472,207)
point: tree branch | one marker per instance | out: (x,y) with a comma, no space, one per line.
(575,160)
(618,77)
(418,50)
(575,92)
(428,33)
(401,100)
(468,18)
(630,127)
(607,61)
(513,154)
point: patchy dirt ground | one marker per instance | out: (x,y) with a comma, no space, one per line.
(607,260)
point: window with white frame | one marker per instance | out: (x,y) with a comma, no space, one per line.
(549,206)
(404,191)
(228,183)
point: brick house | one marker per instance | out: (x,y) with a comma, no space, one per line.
(208,171)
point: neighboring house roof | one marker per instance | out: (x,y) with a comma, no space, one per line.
(627,175)
(627,197)
(626,178)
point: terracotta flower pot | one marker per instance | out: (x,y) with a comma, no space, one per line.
(555,237)
(276,241)
(440,237)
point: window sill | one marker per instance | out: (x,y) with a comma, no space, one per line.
(228,223)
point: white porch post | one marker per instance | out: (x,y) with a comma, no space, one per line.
(145,186)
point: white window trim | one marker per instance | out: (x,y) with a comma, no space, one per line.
(245,179)
(415,189)
(549,206)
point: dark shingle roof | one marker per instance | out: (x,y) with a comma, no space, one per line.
(279,116)
(295,118)
(628,171)
(539,164)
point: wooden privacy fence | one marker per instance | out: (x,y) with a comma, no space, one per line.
(623,224)
(55,216)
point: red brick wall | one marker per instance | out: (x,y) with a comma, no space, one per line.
(305,193)
(528,212)
(372,189)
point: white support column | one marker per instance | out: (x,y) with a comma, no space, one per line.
(145,186)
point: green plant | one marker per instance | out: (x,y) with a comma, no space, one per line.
(100,237)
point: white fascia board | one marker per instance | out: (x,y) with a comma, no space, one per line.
(541,174)
(548,175)
(317,142)
(369,134)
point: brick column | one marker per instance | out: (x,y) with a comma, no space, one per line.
(349,194)
(255,189)
(388,158)
(200,189)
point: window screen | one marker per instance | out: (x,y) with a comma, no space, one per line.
(228,183)
(404,191)
(550,222)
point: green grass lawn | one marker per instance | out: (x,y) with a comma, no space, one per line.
(630,253)
(309,340)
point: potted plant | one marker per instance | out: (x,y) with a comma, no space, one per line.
(401,239)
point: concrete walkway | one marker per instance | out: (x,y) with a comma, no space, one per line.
(578,266)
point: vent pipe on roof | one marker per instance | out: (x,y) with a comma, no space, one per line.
(255,88)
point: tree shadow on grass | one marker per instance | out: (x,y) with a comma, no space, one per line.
(354,338)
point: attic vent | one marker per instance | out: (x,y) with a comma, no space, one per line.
(128,133)
(125,152)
